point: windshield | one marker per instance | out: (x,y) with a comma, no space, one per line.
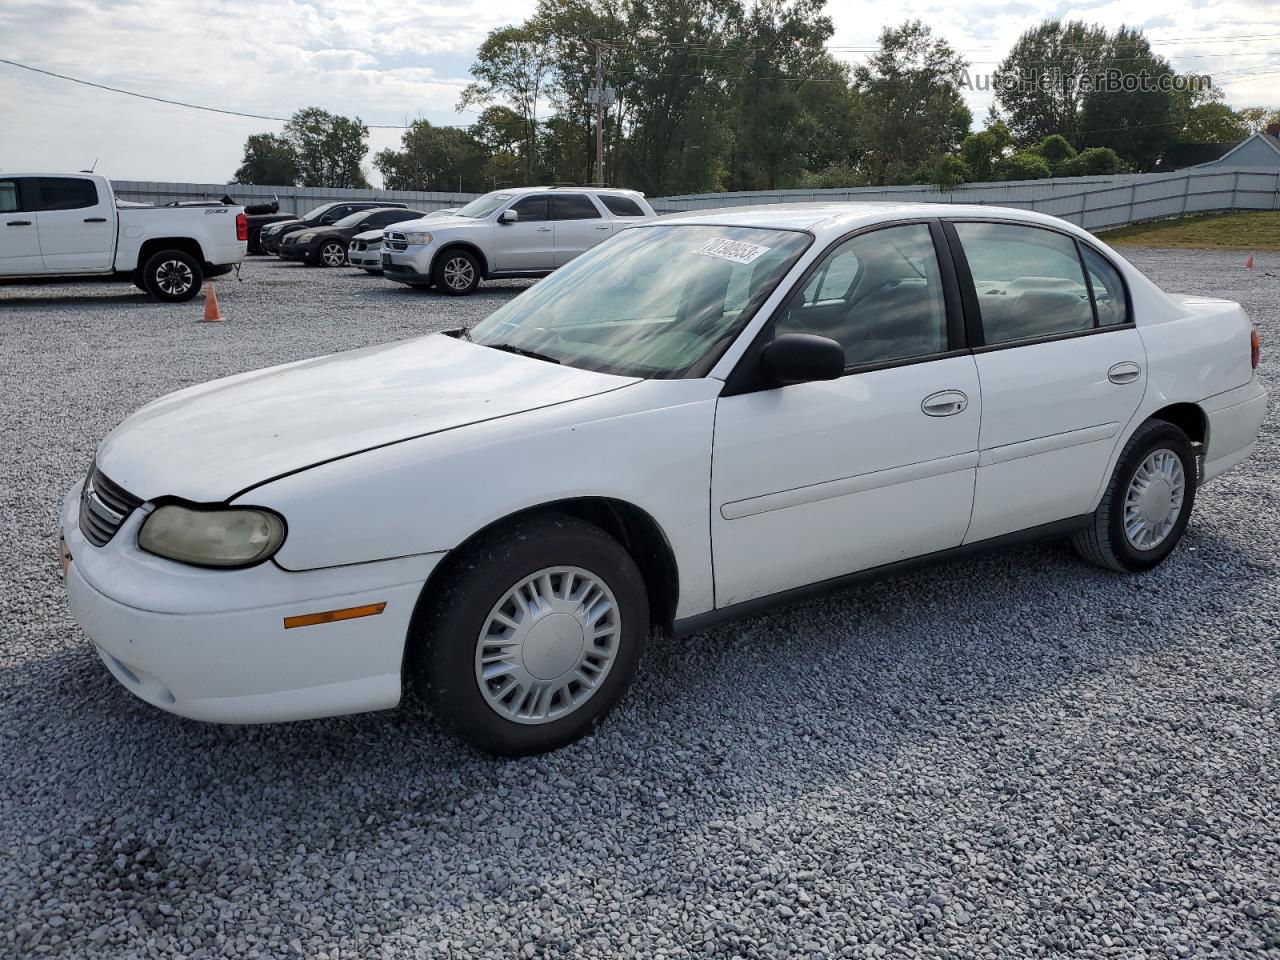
(318,212)
(481,207)
(650,302)
(351,219)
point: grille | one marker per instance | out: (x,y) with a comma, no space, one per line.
(394,241)
(103,507)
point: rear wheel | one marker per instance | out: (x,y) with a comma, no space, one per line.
(532,635)
(1146,506)
(456,272)
(172,276)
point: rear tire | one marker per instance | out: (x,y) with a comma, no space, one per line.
(173,276)
(531,635)
(1147,504)
(456,272)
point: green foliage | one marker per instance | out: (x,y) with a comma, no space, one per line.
(981,151)
(1135,124)
(1055,150)
(512,66)
(1212,123)
(1093,162)
(912,110)
(268,159)
(950,171)
(1023,165)
(329,148)
(434,158)
(833,177)
(1039,84)
(1257,119)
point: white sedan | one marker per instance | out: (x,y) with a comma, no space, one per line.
(697,419)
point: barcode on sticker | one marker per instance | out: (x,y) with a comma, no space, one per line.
(739,251)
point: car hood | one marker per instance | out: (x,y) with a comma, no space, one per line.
(370,234)
(208,443)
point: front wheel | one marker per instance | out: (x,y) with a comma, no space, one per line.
(173,276)
(456,273)
(331,254)
(532,635)
(1147,504)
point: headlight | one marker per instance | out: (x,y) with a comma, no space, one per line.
(423,238)
(217,537)
(305,238)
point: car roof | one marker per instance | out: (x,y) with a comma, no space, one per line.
(514,191)
(838,218)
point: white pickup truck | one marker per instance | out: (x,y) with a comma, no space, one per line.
(70,225)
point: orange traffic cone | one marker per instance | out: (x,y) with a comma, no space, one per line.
(1249,263)
(211,312)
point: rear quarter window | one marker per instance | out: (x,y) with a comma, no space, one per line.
(620,206)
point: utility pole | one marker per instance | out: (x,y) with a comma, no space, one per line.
(599,98)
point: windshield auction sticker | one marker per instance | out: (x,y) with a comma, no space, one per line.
(738,251)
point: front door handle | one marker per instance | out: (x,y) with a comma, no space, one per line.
(944,403)
(544,229)
(18,223)
(95,219)
(1126,372)
(602,228)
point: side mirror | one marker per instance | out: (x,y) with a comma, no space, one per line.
(509,216)
(801,358)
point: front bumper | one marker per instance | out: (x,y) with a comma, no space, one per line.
(370,258)
(292,251)
(411,265)
(212,645)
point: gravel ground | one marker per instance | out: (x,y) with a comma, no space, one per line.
(1015,756)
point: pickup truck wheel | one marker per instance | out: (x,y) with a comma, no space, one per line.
(173,276)
(456,273)
(332,254)
(1147,504)
(532,635)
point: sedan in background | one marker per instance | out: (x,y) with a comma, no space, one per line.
(321,216)
(327,246)
(365,249)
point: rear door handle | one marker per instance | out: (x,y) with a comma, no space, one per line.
(95,219)
(544,229)
(1125,372)
(602,228)
(18,223)
(944,403)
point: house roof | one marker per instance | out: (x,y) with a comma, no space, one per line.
(1265,138)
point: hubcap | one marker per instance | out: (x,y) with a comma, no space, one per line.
(547,645)
(458,273)
(332,255)
(1153,501)
(174,277)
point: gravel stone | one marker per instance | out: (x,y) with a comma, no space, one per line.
(1015,755)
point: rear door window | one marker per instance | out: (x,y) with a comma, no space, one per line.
(573,206)
(9,196)
(1108,288)
(65,193)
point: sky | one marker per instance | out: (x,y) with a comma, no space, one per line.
(391,63)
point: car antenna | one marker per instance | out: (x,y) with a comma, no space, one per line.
(93,168)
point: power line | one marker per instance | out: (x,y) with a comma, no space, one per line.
(197,106)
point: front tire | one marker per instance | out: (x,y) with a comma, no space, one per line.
(331,254)
(532,635)
(456,273)
(173,276)
(1147,504)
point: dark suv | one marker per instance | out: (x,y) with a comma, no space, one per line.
(321,216)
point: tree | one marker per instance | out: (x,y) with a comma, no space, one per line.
(1257,119)
(981,151)
(1055,150)
(269,160)
(329,148)
(950,172)
(1132,111)
(1023,165)
(912,111)
(512,66)
(434,158)
(1093,162)
(1212,123)
(1039,86)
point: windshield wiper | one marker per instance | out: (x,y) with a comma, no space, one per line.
(521,351)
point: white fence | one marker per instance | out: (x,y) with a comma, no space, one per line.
(292,199)
(1095,203)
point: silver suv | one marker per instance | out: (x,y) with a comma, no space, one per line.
(524,232)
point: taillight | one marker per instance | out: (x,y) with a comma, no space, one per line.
(242,227)
(1255,348)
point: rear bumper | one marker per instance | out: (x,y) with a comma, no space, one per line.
(1235,417)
